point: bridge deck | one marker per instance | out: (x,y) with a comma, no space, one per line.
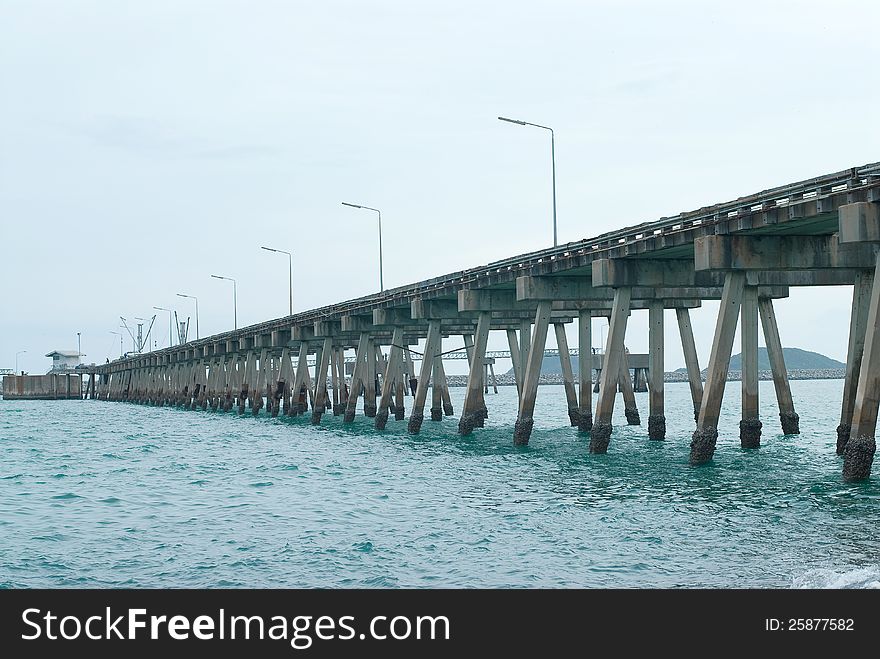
(804,208)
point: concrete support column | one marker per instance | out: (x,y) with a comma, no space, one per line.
(412,382)
(441,383)
(857,327)
(334,380)
(567,374)
(392,375)
(513,344)
(300,404)
(858,455)
(321,381)
(706,434)
(229,383)
(525,420)
(370,381)
(525,338)
(750,425)
(656,371)
(343,386)
(245,381)
(432,344)
(436,392)
(400,379)
(630,409)
(640,380)
(262,381)
(600,434)
(357,376)
(787,416)
(468,347)
(473,394)
(689,348)
(585,371)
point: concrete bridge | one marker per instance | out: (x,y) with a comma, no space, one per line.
(745,253)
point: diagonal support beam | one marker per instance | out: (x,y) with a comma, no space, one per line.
(856,346)
(600,435)
(320,403)
(432,345)
(630,409)
(525,421)
(357,377)
(858,455)
(787,416)
(473,395)
(395,360)
(689,348)
(567,374)
(706,434)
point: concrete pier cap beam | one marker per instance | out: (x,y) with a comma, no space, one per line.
(783,253)
(859,222)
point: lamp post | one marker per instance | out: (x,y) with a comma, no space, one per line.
(193,297)
(290,271)
(235,300)
(367,208)
(79,344)
(20,352)
(119,334)
(552,157)
(170,335)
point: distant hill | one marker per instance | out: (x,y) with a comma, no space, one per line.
(795,359)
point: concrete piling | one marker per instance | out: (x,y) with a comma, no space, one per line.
(855,349)
(858,455)
(585,370)
(706,434)
(600,434)
(787,416)
(630,409)
(689,349)
(473,394)
(525,420)
(392,376)
(750,424)
(357,377)
(417,415)
(656,371)
(567,374)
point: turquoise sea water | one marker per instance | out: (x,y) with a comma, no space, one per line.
(98,494)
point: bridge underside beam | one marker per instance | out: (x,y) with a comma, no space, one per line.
(682,274)
(580,289)
(779,253)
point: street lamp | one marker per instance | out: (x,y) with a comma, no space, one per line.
(193,297)
(234,300)
(119,334)
(553,158)
(345,203)
(170,335)
(290,271)
(20,352)
(79,344)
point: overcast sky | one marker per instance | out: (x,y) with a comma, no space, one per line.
(146,145)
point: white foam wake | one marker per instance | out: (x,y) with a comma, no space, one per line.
(859,577)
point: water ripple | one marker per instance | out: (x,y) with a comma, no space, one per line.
(155,497)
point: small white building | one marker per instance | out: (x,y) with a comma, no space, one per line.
(64,360)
